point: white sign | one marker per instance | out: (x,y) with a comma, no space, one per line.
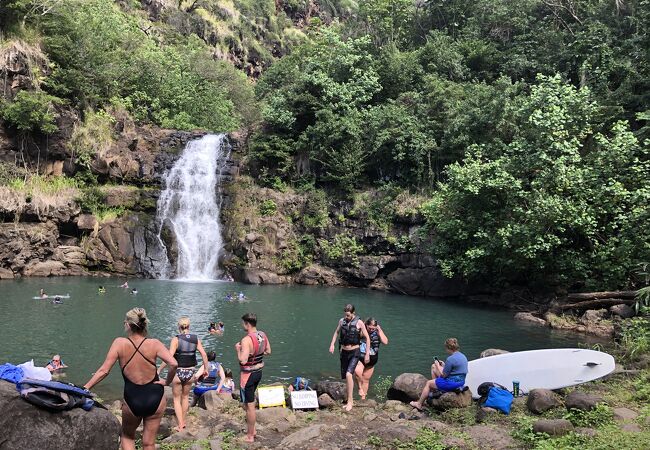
(271,396)
(304,400)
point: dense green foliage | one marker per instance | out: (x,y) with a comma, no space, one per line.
(101,55)
(525,125)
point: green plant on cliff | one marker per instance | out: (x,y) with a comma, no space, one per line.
(268,208)
(341,249)
(93,200)
(92,137)
(31,111)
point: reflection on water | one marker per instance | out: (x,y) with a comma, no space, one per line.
(299,321)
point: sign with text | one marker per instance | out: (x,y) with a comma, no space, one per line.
(271,396)
(304,400)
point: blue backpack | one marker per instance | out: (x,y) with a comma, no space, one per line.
(54,395)
(500,399)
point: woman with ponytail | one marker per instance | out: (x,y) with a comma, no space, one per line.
(144,398)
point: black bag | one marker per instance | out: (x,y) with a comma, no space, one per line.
(484,388)
(55,396)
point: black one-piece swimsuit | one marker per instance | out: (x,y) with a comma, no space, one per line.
(142,399)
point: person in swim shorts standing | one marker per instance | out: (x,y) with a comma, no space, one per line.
(350,331)
(250,352)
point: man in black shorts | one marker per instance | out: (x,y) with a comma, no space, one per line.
(250,353)
(349,331)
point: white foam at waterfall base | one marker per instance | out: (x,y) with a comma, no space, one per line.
(189,206)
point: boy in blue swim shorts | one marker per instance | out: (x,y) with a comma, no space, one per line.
(447,376)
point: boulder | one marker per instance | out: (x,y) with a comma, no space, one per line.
(492,352)
(44,269)
(211,401)
(335,389)
(271,415)
(622,414)
(260,276)
(541,400)
(592,316)
(25,426)
(6,274)
(317,274)
(494,438)
(587,432)
(581,400)
(407,387)
(529,317)
(301,437)
(86,222)
(553,427)
(451,400)
(631,427)
(325,401)
(623,311)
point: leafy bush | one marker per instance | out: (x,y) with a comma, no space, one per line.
(93,200)
(32,111)
(341,248)
(92,137)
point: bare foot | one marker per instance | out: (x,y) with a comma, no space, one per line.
(347,407)
(179,428)
(249,439)
(416,405)
(363,397)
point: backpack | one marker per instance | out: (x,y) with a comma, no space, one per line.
(55,396)
(500,399)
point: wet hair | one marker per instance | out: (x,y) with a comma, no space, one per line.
(250,318)
(184,323)
(137,320)
(349,308)
(220,324)
(212,356)
(371,321)
(452,344)
(227,373)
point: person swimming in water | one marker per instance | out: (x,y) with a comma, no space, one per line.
(216,328)
(241,297)
(229,297)
(125,285)
(56,363)
(57,300)
(101,290)
(134,291)
(42,293)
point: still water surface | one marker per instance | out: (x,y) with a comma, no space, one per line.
(299,321)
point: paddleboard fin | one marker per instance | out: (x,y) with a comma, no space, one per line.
(592,364)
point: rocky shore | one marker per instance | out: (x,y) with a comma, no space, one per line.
(595,415)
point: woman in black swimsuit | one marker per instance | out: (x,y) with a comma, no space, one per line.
(143,391)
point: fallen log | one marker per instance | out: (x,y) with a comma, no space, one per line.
(602,295)
(593,304)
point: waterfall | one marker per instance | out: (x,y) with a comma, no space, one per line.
(189,208)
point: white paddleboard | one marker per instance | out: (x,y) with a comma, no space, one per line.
(51,297)
(547,369)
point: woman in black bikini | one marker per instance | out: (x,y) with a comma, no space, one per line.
(184,347)
(143,391)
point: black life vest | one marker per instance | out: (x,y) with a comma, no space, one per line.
(349,333)
(256,358)
(186,352)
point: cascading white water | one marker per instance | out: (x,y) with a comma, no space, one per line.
(189,207)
